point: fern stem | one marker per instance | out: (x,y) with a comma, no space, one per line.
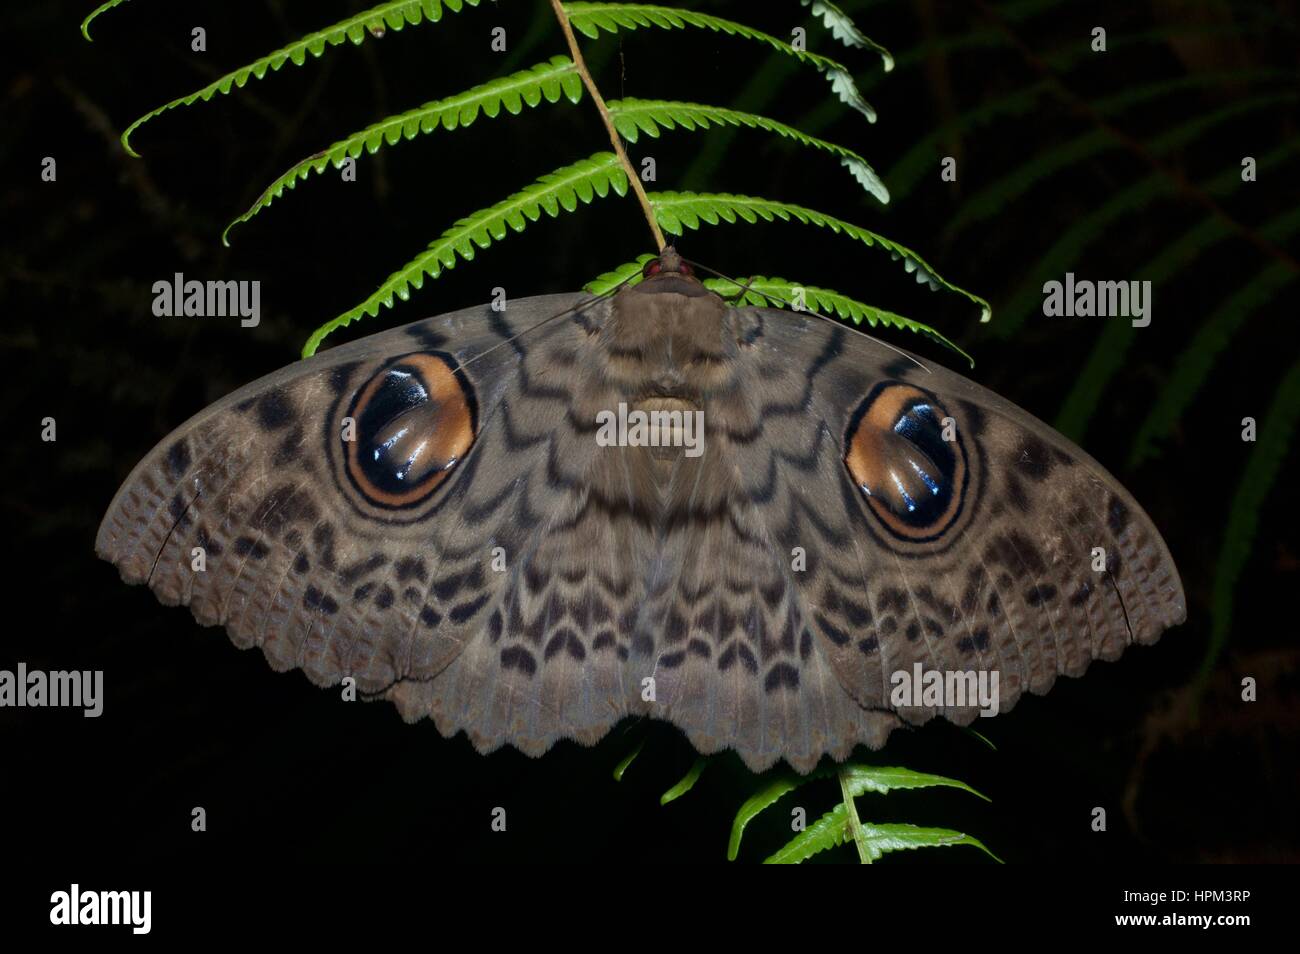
(855,824)
(562,15)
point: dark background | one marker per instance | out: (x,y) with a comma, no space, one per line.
(282,767)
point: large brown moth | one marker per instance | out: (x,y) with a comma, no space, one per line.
(432,512)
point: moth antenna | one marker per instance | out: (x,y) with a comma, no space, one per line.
(737,282)
(790,305)
(558,314)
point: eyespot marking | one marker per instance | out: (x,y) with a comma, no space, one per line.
(416,419)
(912,479)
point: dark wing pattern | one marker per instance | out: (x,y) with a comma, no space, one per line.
(998,546)
(370,557)
(477,555)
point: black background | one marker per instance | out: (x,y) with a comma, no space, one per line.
(288,771)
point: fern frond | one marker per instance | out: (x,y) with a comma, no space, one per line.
(1112,345)
(845,30)
(1274,435)
(591,18)
(688,781)
(635,116)
(764,798)
(393,16)
(780,292)
(1193,366)
(829,831)
(676,211)
(565,188)
(102,8)
(990,200)
(1069,248)
(832,830)
(529,87)
(994,38)
(627,760)
(768,80)
(881,780)
(859,780)
(1108,354)
(920,160)
(627,273)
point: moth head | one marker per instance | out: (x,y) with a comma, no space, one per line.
(668,262)
(670,273)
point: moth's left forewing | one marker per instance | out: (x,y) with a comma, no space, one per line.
(265,515)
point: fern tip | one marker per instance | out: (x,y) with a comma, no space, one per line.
(126,140)
(102,8)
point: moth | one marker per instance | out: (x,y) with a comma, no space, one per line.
(429,511)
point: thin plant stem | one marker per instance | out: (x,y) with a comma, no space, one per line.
(562,15)
(855,825)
